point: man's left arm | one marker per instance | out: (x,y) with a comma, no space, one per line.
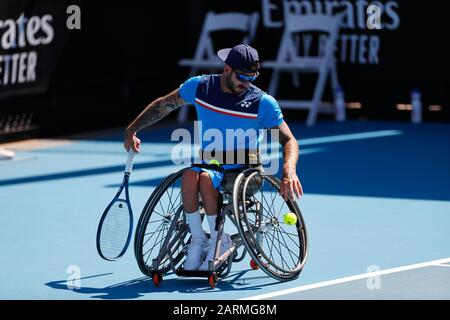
(290,184)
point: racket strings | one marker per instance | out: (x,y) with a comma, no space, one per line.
(114,233)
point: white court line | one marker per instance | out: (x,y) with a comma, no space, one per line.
(347,279)
(442,265)
(350,137)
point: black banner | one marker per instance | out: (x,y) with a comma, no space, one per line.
(379,62)
(32,36)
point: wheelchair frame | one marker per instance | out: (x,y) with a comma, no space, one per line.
(230,207)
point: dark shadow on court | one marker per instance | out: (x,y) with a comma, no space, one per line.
(413,165)
(139,287)
(81,173)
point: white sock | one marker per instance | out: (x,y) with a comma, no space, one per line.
(195,224)
(212,225)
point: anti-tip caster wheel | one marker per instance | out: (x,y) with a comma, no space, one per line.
(253,265)
(157,278)
(212,280)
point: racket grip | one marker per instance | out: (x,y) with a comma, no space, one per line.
(129,164)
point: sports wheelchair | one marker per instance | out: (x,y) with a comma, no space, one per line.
(251,200)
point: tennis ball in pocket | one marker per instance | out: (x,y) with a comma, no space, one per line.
(290,218)
(214,162)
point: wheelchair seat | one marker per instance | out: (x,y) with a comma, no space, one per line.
(231,175)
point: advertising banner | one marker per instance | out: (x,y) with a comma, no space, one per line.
(385,50)
(32,36)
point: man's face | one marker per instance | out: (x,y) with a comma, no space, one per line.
(233,83)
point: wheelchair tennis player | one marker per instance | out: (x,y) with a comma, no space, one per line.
(222,101)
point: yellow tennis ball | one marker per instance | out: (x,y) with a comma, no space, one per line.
(252,158)
(215,162)
(290,218)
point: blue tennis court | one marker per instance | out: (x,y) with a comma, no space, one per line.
(376,205)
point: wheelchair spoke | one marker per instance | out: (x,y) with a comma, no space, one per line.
(268,206)
(154,222)
(281,255)
(162,209)
(278,249)
(152,233)
(153,247)
(287,247)
(271,248)
(281,209)
(274,212)
(172,203)
(290,236)
(159,241)
(270,245)
(159,214)
(273,197)
(262,194)
(272,200)
(276,237)
(178,202)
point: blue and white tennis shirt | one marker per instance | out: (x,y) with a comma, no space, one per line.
(217,110)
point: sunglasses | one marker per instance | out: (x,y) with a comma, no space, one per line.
(244,78)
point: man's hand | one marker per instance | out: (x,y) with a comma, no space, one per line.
(131,141)
(290,184)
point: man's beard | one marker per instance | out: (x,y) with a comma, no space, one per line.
(231,87)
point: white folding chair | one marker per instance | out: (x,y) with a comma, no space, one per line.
(205,55)
(324,64)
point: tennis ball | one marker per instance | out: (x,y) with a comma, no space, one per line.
(214,161)
(290,218)
(252,158)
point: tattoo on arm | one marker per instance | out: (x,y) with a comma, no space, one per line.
(157,110)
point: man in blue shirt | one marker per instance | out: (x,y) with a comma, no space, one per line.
(223,102)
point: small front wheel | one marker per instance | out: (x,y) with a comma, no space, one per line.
(212,280)
(253,265)
(157,278)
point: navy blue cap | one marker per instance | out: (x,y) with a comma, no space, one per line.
(241,57)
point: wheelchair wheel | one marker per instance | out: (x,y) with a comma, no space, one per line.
(162,211)
(279,249)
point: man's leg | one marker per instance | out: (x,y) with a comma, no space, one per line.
(189,191)
(210,198)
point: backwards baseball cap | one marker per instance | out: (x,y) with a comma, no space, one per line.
(241,57)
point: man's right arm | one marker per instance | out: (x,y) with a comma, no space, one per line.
(154,112)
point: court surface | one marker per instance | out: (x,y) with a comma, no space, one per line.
(376,205)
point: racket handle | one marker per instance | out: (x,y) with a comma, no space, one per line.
(129,164)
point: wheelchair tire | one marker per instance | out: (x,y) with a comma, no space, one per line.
(163,205)
(279,249)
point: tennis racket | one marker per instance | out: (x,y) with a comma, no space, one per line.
(116,224)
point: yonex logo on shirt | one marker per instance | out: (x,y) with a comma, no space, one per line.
(245,104)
